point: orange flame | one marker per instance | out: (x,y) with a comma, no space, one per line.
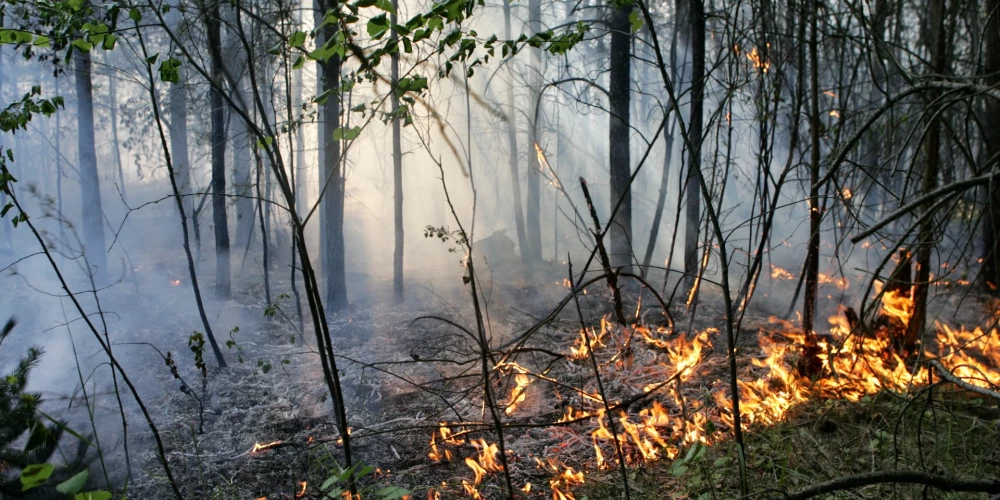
(257,447)
(302,492)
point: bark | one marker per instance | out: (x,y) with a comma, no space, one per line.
(928,178)
(696,22)
(618,137)
(515,177)
(90,185)
(809,364)
(332,183)
(533,217)
(397,173)
(991,221)
(218,137)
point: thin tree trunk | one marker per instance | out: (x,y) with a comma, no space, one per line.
(809,364)
(179,141)
(3,196)
(113,96)
(222,264)
(332,182)
(921,288)
(90,185)
(533,216)
(515,177)
(397,173)
(696,20)
(618,137)
(668,152)
(991,222)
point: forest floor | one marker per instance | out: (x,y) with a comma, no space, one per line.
(403,378)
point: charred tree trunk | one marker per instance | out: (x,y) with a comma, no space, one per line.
(928,181)
(618,137)
(810,363)
(332,182)
(991,222)
(218,137)
(90,185)
(696,21)
(515,177)
(397,172)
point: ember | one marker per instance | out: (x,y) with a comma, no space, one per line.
(257,447)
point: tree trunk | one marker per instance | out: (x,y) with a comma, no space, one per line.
(991,222)
(179,141)
(921,288)
(515,177)
(3,196)
(696,20)
(397,173)
(533,216)
(218,135)
(242,165)
(113,96)
(90,185)
(809,365)
(332,182)
(618,137)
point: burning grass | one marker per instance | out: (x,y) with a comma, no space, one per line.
(422,416)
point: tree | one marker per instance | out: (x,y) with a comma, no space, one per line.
(991,221)
(218,137)
(696,23)
(512,163)
(397,171)
(618,134)
(534,211)
(331,179)
(928,177)
(90,185)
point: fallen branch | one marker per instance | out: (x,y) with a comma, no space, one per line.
(942,483)
(950,377)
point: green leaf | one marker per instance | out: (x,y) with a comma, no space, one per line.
(385,5)
(342,134)
(82,44)
(74,484)
(135,15)
(297,39)
(93,495)
(377,26)
(301,61)
(391,493)
(42,41)
(635,20)
(678,470)
(34,475)
(109,42)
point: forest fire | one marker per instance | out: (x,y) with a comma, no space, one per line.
(694,407)
(780,274)
(258,447)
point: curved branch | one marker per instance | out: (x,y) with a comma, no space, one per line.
(942,483)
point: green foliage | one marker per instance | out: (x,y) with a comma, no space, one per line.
(336,485)
(196,342)
(26,467)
